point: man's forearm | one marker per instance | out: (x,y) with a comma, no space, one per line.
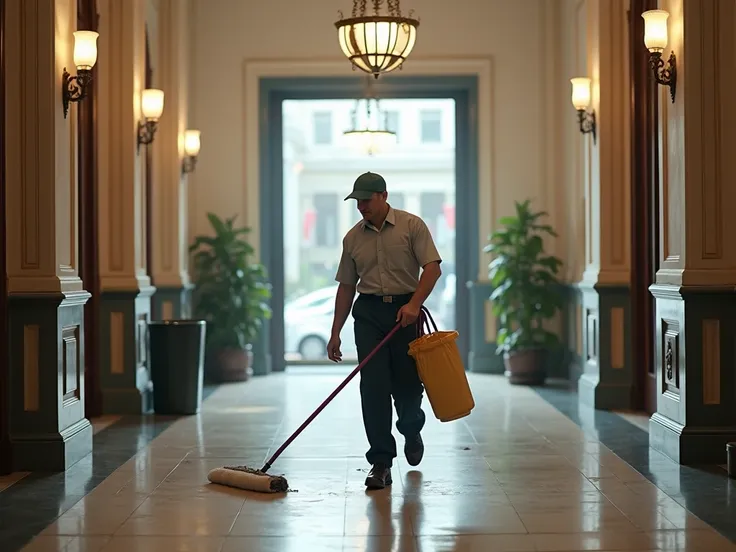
(430,274)
(343,304)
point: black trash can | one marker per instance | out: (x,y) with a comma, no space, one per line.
(731,459)
(177,365)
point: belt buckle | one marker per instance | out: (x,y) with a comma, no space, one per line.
(388,299)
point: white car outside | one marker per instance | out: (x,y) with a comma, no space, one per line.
(308,322)
(307,326)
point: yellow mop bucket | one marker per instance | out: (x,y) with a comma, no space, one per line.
(441,370)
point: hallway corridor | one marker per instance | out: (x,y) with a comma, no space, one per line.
(516,476)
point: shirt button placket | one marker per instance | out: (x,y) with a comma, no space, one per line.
(379,246)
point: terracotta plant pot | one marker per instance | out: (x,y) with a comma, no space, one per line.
(230,365)
(526,367)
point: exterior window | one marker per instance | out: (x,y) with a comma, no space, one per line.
(326,228)
(322,128)
(392,122)
(397,200)
(431,129)
(432,206)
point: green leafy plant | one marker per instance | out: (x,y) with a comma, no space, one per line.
(232,292)
(524,280)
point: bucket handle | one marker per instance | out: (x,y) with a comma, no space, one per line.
(424,318)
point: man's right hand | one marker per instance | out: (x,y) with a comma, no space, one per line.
(333,349)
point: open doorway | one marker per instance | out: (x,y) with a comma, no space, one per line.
(319,167)
(304,181)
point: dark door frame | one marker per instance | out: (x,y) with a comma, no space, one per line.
(89,262)
(5,450)
(644,209)
(272,93)
(149,171)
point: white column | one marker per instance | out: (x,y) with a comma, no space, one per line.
(694,290)
(46,298)
(169,202)
(608,375)
(124,282)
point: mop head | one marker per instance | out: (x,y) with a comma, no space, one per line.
(243,477)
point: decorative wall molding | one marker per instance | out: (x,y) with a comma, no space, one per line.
(169,223)
(41,165)
(608,205)
(697,193)
(121,169)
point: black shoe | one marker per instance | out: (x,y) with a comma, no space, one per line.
(414,449)
(379,477)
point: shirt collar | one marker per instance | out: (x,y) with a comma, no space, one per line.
(390,219)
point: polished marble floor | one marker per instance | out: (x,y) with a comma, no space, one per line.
(518,475)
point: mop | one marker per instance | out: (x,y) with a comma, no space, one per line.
(249,479)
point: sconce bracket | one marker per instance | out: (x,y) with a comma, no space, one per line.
(74,89)
(587,123)
(188,164)
(665,75)
(146,132)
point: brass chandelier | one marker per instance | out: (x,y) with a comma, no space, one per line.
(377,42)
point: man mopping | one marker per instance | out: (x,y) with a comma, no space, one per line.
(381,258)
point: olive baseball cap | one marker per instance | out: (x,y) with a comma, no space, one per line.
(366,185)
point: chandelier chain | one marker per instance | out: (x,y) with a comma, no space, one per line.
(359,8)
(394,9)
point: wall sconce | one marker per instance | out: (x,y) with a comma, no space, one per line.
(191,149)
(655,39)
(74,89)
(152,106)
(581,101)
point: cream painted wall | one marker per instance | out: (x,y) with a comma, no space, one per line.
(529,120)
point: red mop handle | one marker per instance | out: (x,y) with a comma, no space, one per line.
(328,399)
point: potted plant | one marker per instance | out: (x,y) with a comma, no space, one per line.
(231,294)
(525,293)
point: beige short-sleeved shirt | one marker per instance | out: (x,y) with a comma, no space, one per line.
(386,261)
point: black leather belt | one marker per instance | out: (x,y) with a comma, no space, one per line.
(404,298)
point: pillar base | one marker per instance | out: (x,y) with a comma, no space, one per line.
(262,358)
(595,394)
(55,452)
(695,332)
(171,303)
(482,357)
(689,445)
(607,382)
(48,429)
(569,363)
(125,381)
(486,362)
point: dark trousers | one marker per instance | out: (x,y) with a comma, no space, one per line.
(390,372)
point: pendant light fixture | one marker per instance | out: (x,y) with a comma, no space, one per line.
(369,136)
(377,42)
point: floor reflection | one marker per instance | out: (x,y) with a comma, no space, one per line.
(515,476)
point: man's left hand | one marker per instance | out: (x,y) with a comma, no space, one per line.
(408,314)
